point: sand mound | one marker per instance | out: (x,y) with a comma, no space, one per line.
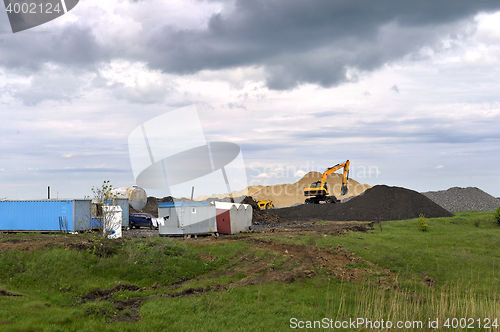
(464,199)
(377,203)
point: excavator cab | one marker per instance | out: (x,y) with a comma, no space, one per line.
(315,184)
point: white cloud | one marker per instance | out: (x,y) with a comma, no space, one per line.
(136,83)
(70,155)
(488,28)
(264,176)
(439,167)
(299,174)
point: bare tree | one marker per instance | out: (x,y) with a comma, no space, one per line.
(103,197)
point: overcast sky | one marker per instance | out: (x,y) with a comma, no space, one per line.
(408,91)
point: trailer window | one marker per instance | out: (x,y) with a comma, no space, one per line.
(193,210)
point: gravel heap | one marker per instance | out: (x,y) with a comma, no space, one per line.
(377,203)
(464,199)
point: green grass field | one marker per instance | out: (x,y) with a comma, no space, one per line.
(459,254)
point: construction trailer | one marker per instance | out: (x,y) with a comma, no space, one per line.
(186,218)
(233,218)
(46,215)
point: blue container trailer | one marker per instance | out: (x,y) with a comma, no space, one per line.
(44,215)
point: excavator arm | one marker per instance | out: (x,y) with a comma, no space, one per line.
(345,178)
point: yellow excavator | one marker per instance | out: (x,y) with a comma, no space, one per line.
(318,191)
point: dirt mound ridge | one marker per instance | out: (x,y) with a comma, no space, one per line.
(464,199)
(261,216)
(377,203)
(152,205)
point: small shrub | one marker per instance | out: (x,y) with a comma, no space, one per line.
(422,223)
(497,215)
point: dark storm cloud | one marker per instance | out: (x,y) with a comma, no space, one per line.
(310,41)
(323,42)
(73,45)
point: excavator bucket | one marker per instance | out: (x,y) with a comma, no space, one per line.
(344,190)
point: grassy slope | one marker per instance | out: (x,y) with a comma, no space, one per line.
(453,249)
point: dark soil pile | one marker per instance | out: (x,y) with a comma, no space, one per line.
(261,216)
(375,204)
(152,205)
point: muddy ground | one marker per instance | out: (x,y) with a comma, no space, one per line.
(285,228)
